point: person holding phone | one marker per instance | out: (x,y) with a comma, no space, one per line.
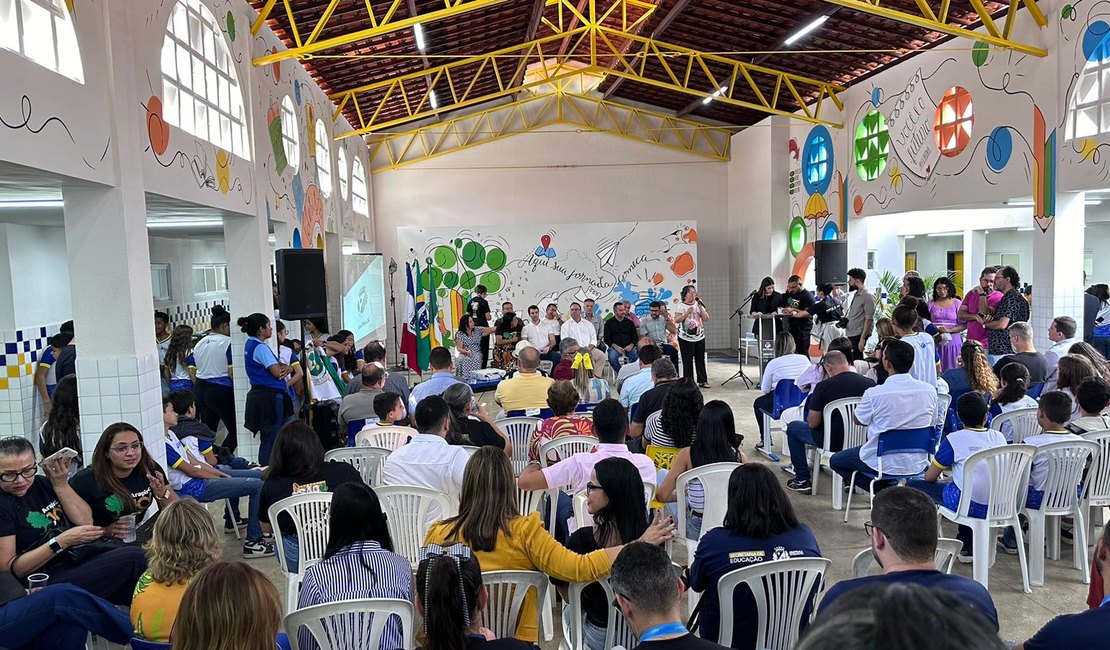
(268,405)
(470,423)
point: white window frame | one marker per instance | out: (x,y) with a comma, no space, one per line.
(360,190)
(343,173)
(63,57)
(323,158)
(1096,103)
(159,279)
(290,137)
(213,279)
(207,100)
(997,258)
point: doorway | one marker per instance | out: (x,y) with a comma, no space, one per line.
(956,270)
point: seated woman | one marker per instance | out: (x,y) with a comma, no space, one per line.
(123,480)
(229,606)
(506,335)
(45,527)
(760,526)
(678,419)
(972,372)
(297,466)
(489,523)
(1071,371)
(470,424)
(359,561)
(716,441)
(62,427)
(450,597)
(1013,389)
(562,399)
(185,541)
(615,500)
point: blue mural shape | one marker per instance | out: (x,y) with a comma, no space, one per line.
(1000,145)
(876,97)
(830,231)
(1096,39)
(817,161)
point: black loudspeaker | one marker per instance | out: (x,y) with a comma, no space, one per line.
(302,290)
(831,256)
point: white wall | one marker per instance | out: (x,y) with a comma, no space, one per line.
(39,276)
(181,254)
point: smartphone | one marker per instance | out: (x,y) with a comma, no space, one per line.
(63,453)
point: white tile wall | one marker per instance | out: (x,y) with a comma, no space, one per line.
(121,389)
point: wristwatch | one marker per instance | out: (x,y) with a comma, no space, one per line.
(55,545)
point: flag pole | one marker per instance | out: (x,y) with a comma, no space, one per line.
(397,365)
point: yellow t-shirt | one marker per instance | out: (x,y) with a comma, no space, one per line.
(154,608)
(523,391)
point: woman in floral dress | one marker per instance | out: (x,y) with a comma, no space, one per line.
(468,341)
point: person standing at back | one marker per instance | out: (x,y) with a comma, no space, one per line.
(214,393)
(974,307)
(860,314)
(1012,309)
(478,308)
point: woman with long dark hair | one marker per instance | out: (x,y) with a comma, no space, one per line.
(468,341)
(1071,371)
(690,316)
(678,418)
(349,364)
(1013,382)
(214,393)
(358,562)
(506,331)
(765,302)
(1084,349)
(268,406)
(760,526)
(615,499)
(177,367)
(63,425)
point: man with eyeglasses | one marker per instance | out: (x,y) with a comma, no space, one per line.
(903,531)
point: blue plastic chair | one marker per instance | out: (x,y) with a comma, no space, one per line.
(787,395)
(139,644)
(353,427)
(894,441)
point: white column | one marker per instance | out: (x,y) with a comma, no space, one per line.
(975,257)
(333,277)
(1057,275)
(857,243)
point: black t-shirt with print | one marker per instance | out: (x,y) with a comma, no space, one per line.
(332,474)
(29,517)
(481,434)
(107,506)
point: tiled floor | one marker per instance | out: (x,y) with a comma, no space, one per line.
(1020,615)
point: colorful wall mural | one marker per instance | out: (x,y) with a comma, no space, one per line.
(639,262)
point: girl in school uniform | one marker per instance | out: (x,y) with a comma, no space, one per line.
(215,396)
(179,367)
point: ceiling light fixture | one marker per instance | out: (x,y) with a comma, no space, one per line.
(418,31)
(44,203)
(798,35)
(433,100)
(199,223)
(716,93)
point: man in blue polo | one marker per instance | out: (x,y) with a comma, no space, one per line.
(443,376)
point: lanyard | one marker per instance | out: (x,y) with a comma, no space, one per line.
(1104,601)
(662,630)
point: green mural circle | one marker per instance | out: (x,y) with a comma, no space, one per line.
(444,257)
(450,279)
(436,276)
(458,242)
(473,255)
(979,53)
(797,235)
(231,26)
(492,281)
(468,280)
(496,258)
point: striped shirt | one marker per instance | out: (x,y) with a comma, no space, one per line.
(343,576)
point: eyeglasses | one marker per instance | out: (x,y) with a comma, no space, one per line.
(123,449)
(868,527)
(10,477)
(590,487)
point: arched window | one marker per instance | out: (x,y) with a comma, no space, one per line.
(42,31)
(342,172)
(953,120)
(323,158)
(1089,105)
(358,188)
(872,146)
(202,94)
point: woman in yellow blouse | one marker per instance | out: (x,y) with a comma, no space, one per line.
(502,540)
(184,542)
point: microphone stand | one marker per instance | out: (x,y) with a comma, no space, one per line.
(740,374)
(397,365)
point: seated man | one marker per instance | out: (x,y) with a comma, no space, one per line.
(901,402)
(629,369)
(1021,338)
(360,405)
(639,382)
(538,333)
(1083,630)
(1093,395)
(374,353)
(952,455)
(584,331)
(443,375)
(620,335)
(903,531)
(663,376)
(840,381)
(1062,335)
(528,388)
(659,327)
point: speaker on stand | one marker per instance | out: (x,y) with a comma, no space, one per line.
(302,287)
(831,258)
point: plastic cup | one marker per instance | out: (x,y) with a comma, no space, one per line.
(129,535)
(37,581)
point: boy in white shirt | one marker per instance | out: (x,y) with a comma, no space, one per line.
(904,318)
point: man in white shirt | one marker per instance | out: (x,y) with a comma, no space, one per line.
(640,381)
(553,321)
(924,367)
(427,460)
(538,333)
(901,402)
(1062,334)
(585,333)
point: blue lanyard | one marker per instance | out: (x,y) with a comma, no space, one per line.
(1104,601)
(663,630)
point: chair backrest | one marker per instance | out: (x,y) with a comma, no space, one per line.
(1023,423)
(555,450)
(406,509)
(367,460)
(1035,390)
(391,437)
(787,394)
(653,426)
(618,632)
(309,513)
(351,624)
(529,501)
(714,481)
(506,597)
(855,434)
(1008,471)
(1066,461)
(353,427)
(663,457)
(902,441)
(785,593)
(519,430)
(944,402)
(1098,474)
(945,557)
(140,644)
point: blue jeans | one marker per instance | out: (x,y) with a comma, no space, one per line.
(564,510)
(615,357)
(234,488)
(553,356)
(269,433)
(61,616)
(238,472)
(798,435)
(1102,344)
(847,461)
(292,547)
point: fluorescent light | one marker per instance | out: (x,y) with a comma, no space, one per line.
(945,234)
(433,100)
(910,236)
(418,31)
(1025,229)
(796,36)
(45,203)
(1092,202)
(716,93)
(199,223)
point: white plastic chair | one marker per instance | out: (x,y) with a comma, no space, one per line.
(1008,472)
(367,460)
(1023,423)
(469,449)
(714,481)
(558,449)
(784,591)
(945,558)
(507,590)
(1096,494)
(349,624)
(309,513)
(855,434)
(519,430)
(407,511)
(529,501)
(618,633)
(1066,461)
(391,438)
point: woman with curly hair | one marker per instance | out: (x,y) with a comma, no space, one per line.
(63,425)
(185,541)
(179,368)
(678,419)
(972,371)
(942,311)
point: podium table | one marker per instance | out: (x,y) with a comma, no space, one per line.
(767,326)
